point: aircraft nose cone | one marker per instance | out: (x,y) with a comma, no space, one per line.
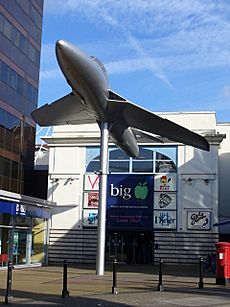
(61,48)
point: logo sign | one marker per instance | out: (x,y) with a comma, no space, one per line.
(20,209)
(91,199)
(199,220)
(164,200)
(90,218)
(165,182)
(91,182)
(164,219)
(129,201)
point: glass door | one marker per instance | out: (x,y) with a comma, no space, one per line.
(116,247)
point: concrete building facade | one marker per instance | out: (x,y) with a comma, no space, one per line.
(173,218)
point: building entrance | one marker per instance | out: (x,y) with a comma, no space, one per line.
(131,247)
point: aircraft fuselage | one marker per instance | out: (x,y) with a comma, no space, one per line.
(88,78)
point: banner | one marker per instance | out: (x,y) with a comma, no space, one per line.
(130,201)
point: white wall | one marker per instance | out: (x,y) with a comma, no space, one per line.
(224,166)
(67,165)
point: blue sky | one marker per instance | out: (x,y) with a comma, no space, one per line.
(165,55)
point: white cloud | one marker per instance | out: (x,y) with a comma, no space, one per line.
(50,74)
(160,35)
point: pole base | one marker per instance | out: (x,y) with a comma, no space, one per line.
(65,293)
(8,299)
(160,288)
(114,290)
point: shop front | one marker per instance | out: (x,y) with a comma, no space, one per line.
(23,232)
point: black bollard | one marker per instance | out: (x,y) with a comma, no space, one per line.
(160,286)
(201,284)
(65,292)
(114,287)
(8,297)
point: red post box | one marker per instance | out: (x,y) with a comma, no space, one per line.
(223,263)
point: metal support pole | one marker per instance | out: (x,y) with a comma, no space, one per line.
(201,284)
(160,286)
(8,296)
(114,287)
(65,292)
(100,263)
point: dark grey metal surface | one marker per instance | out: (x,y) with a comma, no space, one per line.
(91,100)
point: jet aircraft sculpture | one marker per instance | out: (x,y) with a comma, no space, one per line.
(92,101)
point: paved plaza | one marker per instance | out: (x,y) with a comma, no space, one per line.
(137,286)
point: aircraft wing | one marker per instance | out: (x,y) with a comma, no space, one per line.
(141,134)
(66,110)
(142,119)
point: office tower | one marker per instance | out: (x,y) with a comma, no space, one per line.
(20,36)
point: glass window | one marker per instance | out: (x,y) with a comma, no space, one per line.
(1,22)
(145,154)
(20,85)
(117,154)
(1,165)
(92,153)
(94,166)
(166,153)
(6,167)
(9,140)
(15,170)
(119,166)
(2,117)
(2,136)
(3,72)
(165,167)
(15,36)
(13,79)
(36,16)
(151,160)
(142,167)
(7,29)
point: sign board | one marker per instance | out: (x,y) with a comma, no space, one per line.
(90,218)
(165,182)
(164,201)
(130,201)
(164,219)
(91,200)
(198,220)
(91,182)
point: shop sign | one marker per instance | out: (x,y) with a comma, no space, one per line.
(130,201)
(164,201)
(164,219)
(165,182)
(7,207)
(199,220)
(91,200)
(91,182)
(90,218)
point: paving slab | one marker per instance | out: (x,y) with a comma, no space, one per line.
(137,286)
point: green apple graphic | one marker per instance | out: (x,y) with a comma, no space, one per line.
(141,191)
